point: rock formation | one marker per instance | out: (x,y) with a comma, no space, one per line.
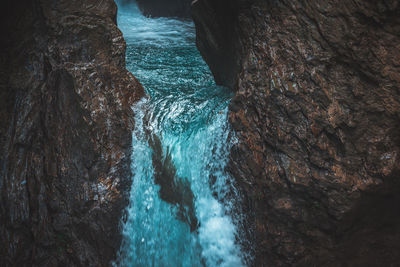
(65,124)
(173,189)
(162,8)
(317,114)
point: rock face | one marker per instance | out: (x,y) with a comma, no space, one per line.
(217,37)
(65,123)
(163,8)
(317,115)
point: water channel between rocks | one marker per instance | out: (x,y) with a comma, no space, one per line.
(179,205)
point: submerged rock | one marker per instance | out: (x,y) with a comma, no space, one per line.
(173,189)
(65,123)
(316,113)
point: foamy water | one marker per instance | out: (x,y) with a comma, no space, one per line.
(188,112)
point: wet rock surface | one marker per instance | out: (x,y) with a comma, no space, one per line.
(65,122)
(173,189)
(317,115)
(162,8)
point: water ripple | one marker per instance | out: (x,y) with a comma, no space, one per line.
(188,113)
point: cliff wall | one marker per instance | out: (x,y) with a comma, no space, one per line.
(317,114)
(65,132)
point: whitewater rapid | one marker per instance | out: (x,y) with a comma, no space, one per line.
(187,113)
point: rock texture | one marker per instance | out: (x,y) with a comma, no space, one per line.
(65,124)
(317,115)
(163,8)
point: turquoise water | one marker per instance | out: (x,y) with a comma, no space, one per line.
(181,133)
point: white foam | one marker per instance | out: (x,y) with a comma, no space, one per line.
(189,114)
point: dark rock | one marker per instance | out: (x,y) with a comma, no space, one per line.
(317,115)
(173,189)
(65,133)
(217,37)
(165,8)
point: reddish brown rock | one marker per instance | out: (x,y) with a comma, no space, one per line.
(317,115)
(65,122)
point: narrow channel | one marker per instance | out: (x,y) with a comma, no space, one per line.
(180,211)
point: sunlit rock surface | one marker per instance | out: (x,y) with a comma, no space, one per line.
(65,123)
(317,115)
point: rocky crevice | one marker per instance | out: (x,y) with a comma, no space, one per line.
(66,129)
(316,112)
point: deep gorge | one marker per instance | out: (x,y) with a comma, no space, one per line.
(120,146)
